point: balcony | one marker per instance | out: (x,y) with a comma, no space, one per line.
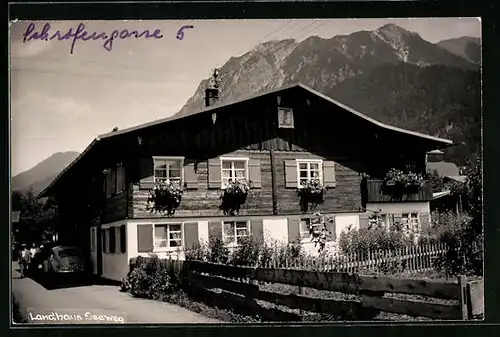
(377,192)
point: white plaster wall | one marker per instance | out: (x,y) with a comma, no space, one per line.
(401,207)
(203,232)
(114,266)
(342,222)
(275,230)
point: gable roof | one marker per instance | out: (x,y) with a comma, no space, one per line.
(103,137)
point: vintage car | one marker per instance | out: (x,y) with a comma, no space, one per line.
(65,260)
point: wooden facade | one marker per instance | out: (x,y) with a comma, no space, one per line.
(352,147)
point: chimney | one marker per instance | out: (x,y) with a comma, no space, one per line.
(211,96)
(212,92)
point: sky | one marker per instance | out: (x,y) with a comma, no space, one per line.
(60,101)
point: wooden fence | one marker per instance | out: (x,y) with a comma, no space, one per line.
(243,289)
(418,258)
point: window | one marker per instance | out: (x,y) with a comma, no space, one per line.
(378,221)
(285,118)
(92,239)
(305,233)
(112,240)
(167,169)
(167,236)
(308,170)
(411,221)
(233,169)
(233,231)
(120,179)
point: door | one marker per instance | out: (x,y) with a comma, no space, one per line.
(99,250)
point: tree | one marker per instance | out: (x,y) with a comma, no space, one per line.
(437,182)
(37,218)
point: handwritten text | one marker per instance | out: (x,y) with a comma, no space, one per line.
(80,33)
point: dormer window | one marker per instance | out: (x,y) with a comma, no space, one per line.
(285,118)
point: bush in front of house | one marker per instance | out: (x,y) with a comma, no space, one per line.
(464,253)
(362,241)
(151,279)
(247,253)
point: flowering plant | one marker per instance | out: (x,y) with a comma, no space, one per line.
(319,231)
(234,195)
(398,177)
(311,194)
(165,197)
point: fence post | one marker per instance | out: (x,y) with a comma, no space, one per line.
(462,282)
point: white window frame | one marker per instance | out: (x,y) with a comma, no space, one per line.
(281,118)
(410,217)
(386,222)
(232,159)
(235,242)
(168,248)
(308,162)
(164,158)
(305,235)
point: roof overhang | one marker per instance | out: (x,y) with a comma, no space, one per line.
(439,143)
(438,195)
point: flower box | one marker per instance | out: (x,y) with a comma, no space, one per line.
(165,197)
(233,196)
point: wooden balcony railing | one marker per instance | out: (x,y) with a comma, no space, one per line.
(377,192)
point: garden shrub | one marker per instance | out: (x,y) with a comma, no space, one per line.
(139,282)
(247,253)
(464,253)
(217,251)
(362,241)
(151,279)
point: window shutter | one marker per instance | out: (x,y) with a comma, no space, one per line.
(257,229)
(254,173)
(144,238)
(146,173)
(329,174)
(293,229)
(214,173)
(112,240)
(190,177)
(291,178)
(215,230)
(120,178)
(363,221)
(425,222)
(123,238)
(190,235)
(103,239)
(331,227)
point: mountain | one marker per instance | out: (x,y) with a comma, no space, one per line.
(466,47)
(42,174)
(390,74)
(418,99)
